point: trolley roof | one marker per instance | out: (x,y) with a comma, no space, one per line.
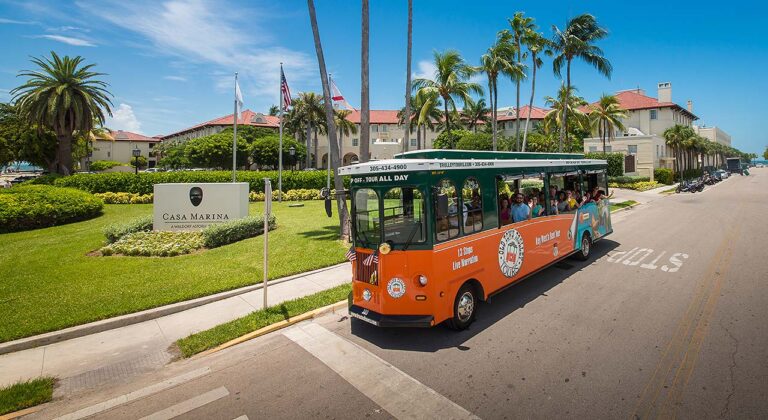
(435,160)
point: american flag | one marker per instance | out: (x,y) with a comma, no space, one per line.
(285,91)
(372,259)
(351,254)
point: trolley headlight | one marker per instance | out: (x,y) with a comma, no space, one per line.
(366,295)
(396,287)
(422,280)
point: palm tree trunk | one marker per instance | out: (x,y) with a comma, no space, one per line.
(564,123)
(406,138)
(517,99)
(365,106)
(447,120)
(309,145)
(338,183)
(530,103)
(64,153)
(493,113)
(317,158)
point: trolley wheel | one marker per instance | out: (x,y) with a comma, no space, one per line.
(464,308)
(586,247)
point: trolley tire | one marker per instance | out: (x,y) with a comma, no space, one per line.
(586,247)
(464,308)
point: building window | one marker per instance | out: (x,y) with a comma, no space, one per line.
(654,114)
(108,154)
(414,142)
(592,149)
(658,150)
(383,128)
(375,128)
(632,149)
(355,142)
(608,149)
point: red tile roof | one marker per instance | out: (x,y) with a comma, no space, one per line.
(247,117)
(633,100)
(536,113)
(120,135)
(377,117)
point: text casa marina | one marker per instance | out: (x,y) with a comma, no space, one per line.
(380,178)
(196,216)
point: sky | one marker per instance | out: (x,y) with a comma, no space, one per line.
(171,64)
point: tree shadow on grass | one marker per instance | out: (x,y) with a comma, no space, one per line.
(328,232)
(498,307)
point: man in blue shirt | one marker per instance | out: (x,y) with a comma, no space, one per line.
(520,210)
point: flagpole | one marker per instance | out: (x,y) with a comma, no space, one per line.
(234,137)
(328,160)
(280,152)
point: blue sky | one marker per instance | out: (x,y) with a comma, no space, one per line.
(170,64)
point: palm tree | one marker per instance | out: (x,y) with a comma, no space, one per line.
(64,97)
(408,87)
(558,109)
(309,109)
(365,106)
(274,110)
(449,82)
(499,60)
(676,138)
(427,110)
(341,202)
(536,44)
(344,127)
(521,25)
(606,118)
(577,41)
(474,113)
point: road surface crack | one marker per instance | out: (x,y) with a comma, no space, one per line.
(724,412)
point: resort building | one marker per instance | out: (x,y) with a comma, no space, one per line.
(507,119)
(247,117)
(643,142)
(714,134)
(118,146)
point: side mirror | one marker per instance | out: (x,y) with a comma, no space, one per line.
(328,208)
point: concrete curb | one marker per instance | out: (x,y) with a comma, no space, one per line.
(274,327)
(135,318)
(630,207)
(24,412)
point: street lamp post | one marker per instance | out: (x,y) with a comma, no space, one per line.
(136,154)
(292,153)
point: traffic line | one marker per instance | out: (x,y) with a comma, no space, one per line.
(135,395)
(189,405)
(392,389)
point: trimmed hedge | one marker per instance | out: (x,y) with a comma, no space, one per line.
(125,198)
(155,244)
(236,230)
(103,165)
(663,175)
(628,179)
(116,231)
(637,186)
(615,161)
(143,183)
(28,207)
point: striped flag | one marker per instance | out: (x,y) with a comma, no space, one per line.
(351,254)
(372,259)
(336,96)
(285,91)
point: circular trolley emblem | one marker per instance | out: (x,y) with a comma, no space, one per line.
(511,252)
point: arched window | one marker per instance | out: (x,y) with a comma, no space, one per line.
(446,211)
(472,206)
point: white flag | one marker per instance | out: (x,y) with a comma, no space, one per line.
(338,98)
(238,99)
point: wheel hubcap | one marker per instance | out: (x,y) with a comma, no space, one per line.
(585,246)
(466,306)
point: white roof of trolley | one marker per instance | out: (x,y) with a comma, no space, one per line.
(414,165)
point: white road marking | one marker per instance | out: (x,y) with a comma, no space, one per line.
(189,405)
(401,395)
(135,395)
(243,417)
(636,255)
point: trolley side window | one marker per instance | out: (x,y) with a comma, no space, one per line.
(446,211)
(367,216)
(472,203)
(404,216)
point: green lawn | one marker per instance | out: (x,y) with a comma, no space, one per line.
(49,283)
(623,204)
(26,394)
(220,334)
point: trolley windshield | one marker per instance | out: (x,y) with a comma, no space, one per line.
(394,215)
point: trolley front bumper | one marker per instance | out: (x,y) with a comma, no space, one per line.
(367,315)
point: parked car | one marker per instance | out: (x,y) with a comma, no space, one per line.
(722,174)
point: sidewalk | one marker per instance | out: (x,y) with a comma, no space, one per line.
(87,361)
(642,197)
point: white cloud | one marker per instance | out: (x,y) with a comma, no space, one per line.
(123,118)
(68,40)
(176,78)
(202,31)
(426,70)
(16,22)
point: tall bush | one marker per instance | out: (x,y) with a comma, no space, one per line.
(663,175)
(615,161)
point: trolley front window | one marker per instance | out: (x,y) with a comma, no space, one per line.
(367,217)
(404,221)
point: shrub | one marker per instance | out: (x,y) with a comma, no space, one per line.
(143,182)
(37,206)
(638,185)
(125,198)
(663,175)
(103,165)
(475,141)
(155,244)
(448,140)
(692,173)
(43,180)
(141,161)
(116,231)
(615,161)
(235,230)
(628,179)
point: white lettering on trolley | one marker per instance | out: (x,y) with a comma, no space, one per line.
(463,262)
(547,237)
(379,178)
(636,256)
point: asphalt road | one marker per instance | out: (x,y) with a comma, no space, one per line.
(667,319)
